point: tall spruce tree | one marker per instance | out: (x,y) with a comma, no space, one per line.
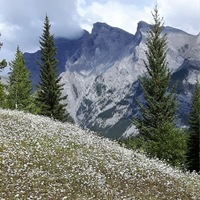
(160,104)
(156,123)
(194,131)
(19,85)
(49,89)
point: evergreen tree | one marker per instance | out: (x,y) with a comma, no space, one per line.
(156,121)
(160,104)
(194,131)
(2,95)
(168,143)
(19,85)
(49,89)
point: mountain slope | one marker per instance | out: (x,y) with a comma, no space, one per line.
(104,92)
(100,75)
(43,159)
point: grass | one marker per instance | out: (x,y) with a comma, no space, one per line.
(43,159)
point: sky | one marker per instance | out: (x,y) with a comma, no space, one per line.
(21,21)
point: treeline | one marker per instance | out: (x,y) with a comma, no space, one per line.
(48,99)
(158,135)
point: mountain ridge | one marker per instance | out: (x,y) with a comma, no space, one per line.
(100,75)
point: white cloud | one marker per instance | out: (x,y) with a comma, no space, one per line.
(21,21)
(126,14)
(182,14)
(115,13)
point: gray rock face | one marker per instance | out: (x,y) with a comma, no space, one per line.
(100,75)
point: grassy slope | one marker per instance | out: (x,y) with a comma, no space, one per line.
(42,159)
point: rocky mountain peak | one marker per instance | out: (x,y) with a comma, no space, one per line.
(103,30)
(142,25)
(108,38)
(100,27)
(100,74)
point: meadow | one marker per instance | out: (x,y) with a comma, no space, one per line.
(44,159)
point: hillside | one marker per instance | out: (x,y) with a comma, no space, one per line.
(43,159)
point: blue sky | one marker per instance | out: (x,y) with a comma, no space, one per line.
(21,21)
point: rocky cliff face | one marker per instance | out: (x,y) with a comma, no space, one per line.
(100,72)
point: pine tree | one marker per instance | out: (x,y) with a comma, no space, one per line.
(160,104)
(49,89)
(19,85)
(156,121)
(194,131)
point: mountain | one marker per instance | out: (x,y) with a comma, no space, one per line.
(44,159)
(100,74)
(65,50)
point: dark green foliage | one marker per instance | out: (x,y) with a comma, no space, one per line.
(168,143)
(156,126)
(3,64)
(194,131)
(2,95)
(19,86)
(49,89)
(160,104)
(136,143)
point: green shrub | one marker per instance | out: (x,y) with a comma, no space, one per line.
(170,144)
